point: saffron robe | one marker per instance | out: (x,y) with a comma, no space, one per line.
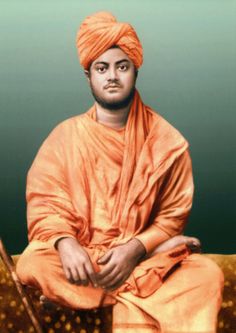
(103,187)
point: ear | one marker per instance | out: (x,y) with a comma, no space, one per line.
(87,74)
(135,75)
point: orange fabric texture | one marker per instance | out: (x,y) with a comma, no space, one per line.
(99,32)
(187,302)
(105,186)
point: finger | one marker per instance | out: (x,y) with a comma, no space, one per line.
(105,271)
(194,249)
(83,276)
(193,240)
(108,279)
(75,277)
(91,274)
(116,283)
(105,258)
(69,276)
(67,273)
(194,244)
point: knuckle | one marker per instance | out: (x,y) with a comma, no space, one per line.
(84,282)
(83,261)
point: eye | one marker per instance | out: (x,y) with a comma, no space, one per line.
(101,69)
(123,68)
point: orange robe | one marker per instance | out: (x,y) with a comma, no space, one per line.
(105,186)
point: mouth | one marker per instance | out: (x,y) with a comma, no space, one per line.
(112,86)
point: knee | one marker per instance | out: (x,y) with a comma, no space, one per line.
(213,269)
(37,263)
(29,265)
(212,274)
(24,268)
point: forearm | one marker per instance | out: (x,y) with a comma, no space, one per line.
(152,237)
(173,204)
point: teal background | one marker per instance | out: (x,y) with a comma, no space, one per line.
(188,76)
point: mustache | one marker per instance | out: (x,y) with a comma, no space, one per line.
(112,84)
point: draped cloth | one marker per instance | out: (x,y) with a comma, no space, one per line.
(101,31)
(103,187)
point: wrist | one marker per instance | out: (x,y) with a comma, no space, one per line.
(138,247)
(64,241)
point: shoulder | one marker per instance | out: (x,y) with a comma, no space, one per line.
(68,124)
(59,141)
(66,129)
(160,128)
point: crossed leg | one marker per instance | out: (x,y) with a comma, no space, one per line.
(192,242)
(187,302)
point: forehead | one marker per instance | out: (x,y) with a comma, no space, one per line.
(112,55)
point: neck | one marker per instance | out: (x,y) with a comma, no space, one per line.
(112,118)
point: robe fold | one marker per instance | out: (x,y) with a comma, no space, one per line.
(103,187)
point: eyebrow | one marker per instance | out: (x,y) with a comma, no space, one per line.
(106,63)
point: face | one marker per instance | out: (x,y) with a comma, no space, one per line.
(112,79)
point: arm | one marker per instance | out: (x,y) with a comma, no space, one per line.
(50,212)
(173,204)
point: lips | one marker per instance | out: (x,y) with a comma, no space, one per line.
(112,86)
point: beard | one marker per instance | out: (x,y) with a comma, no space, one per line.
(113,105)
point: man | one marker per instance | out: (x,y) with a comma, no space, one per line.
(108,196)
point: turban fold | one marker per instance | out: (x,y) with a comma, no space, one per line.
(101,31)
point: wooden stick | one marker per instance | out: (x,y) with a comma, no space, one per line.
(6,258)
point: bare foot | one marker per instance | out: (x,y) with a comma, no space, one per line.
(193,244)
(46,303)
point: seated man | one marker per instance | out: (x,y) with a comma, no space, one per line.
(109,194)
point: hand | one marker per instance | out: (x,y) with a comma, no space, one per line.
(192,243)
(76,262)
(119,263)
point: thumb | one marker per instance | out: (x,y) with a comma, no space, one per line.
(105,258)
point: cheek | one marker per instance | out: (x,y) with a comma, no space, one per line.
(97,83)
(130,81)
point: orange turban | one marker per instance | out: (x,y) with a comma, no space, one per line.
(101,31)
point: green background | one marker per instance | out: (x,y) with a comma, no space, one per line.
(188,76)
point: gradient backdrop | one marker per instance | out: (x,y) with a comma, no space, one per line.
(188,76)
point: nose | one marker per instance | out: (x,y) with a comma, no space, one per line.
(112,74)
